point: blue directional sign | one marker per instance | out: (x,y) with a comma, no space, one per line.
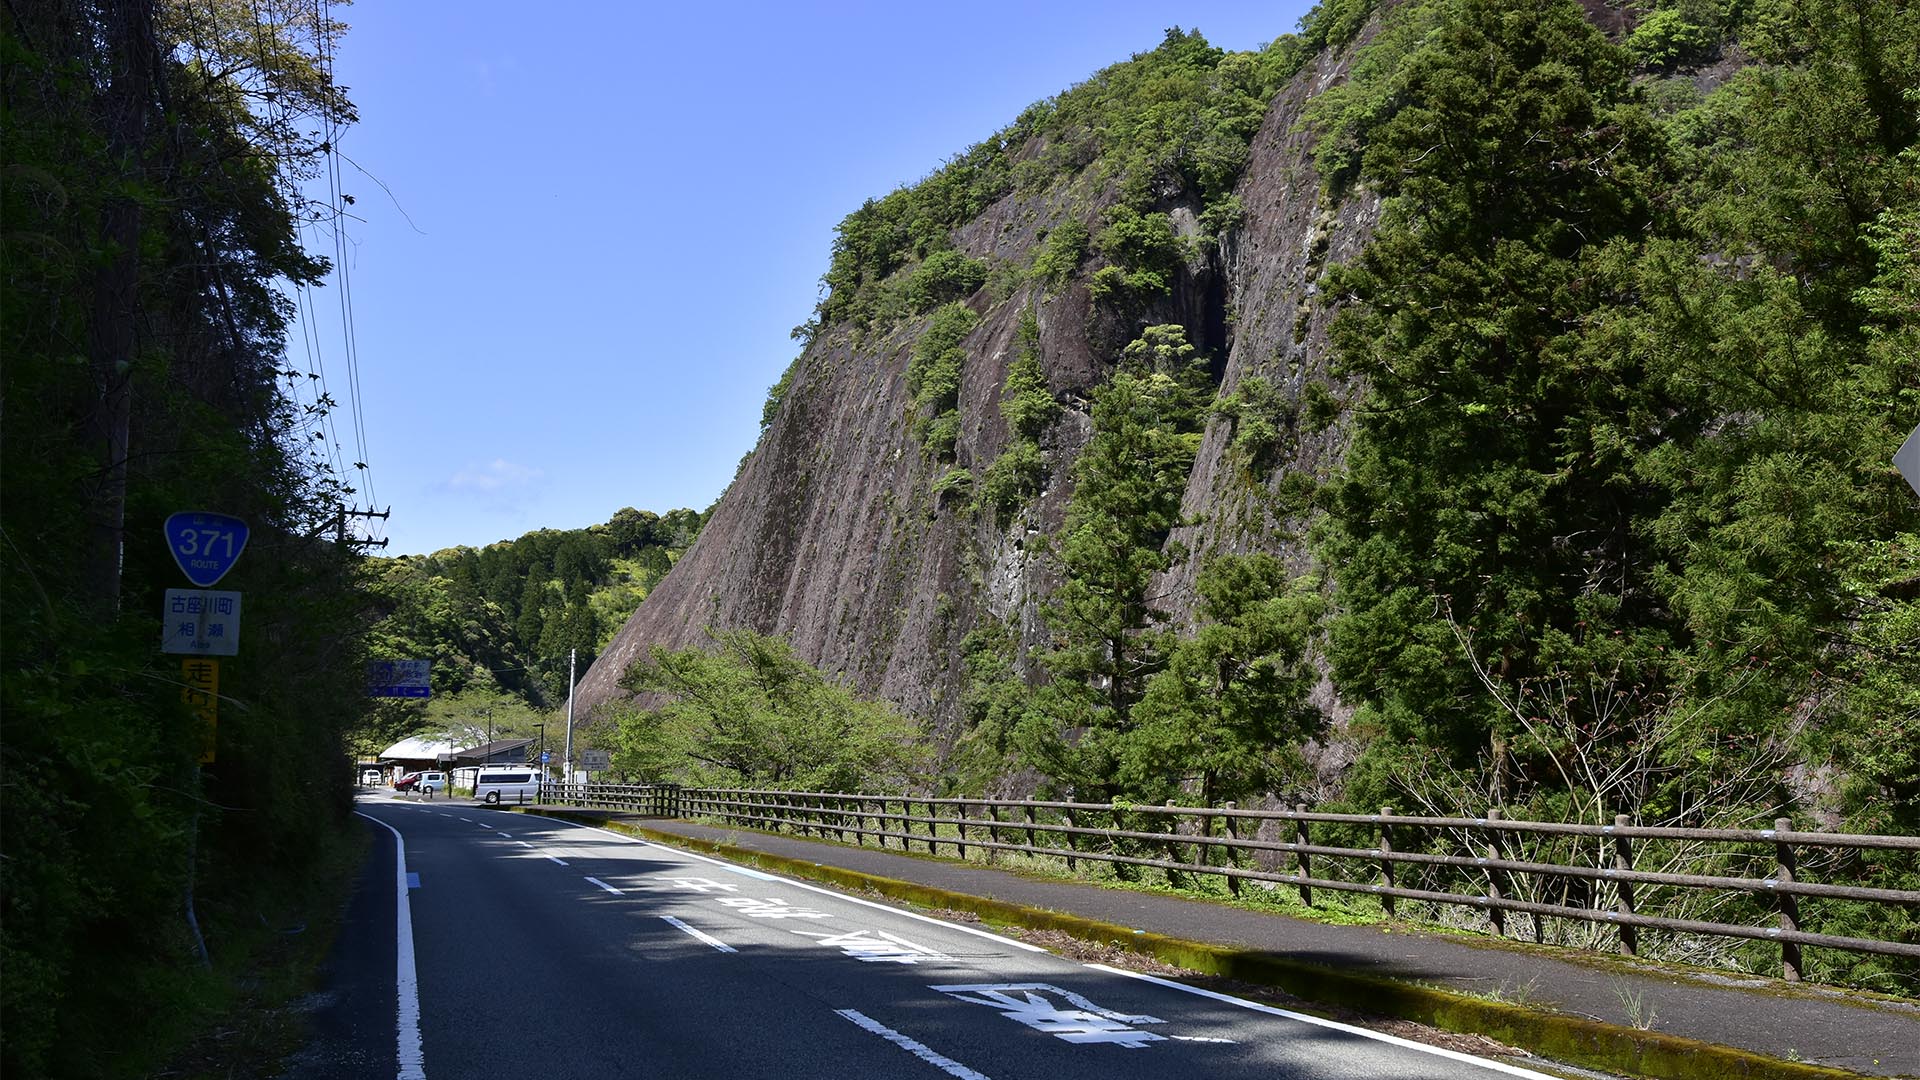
(546,756)
(206,545)
(399,678)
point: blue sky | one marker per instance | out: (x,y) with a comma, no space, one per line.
(619,210)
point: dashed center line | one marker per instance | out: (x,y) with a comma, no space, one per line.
(484,825)
(606,886)
(913,1046)
(561,861)
(698,935)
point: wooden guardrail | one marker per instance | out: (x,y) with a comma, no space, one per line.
(1465,862)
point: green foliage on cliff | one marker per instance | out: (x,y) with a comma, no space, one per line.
(1178,118)
(1028,406)
(933,378)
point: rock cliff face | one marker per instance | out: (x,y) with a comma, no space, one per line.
(831,535)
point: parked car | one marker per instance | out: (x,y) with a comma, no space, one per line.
(424,782)
(506,783)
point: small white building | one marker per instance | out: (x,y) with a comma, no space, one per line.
(416,754)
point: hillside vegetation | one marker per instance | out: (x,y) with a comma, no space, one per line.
(497,622)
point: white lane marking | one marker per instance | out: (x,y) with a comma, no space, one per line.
(878,946)
(523,843)
(468,820)
(771,907)
(929,920)
(406,980)
(697,935)
(483,825)
(506,835)
(1083,1024)
(1451,1055)
(757,875)
(912,1046)
(606,886)
(561,861)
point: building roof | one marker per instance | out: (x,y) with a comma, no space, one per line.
(419,748)
(486,752)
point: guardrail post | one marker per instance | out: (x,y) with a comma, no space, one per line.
(993,832)
(960,827)
(1788,904)
(1386,865)
(1174,877)
(1301,838)
(1230,855)
(1073,839)
(1623,860)
(1496,844)
(1028,814)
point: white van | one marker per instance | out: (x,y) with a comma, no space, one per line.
(496,784)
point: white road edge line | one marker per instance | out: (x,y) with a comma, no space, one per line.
(1452,1055)
(962,927)
(697,935)
(606,886)
(913,1046)
(412,1060)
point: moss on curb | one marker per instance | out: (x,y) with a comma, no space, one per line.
(1576,1040)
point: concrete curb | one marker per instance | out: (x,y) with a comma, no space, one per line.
(1575,1040)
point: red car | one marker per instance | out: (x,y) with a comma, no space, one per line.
(428,782)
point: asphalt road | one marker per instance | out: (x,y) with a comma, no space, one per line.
(508,945)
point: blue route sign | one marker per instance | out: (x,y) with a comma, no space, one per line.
(546,756)
(206,545)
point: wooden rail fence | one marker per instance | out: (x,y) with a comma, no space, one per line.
(1473,857)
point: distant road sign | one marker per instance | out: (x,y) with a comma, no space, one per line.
(205,544)
(596,760)
(201,622)
(1907,460)
(399,678)
(545,756)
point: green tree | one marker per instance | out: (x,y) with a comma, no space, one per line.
(1107,624)
(1230,711)
(750,712)
(1490,476)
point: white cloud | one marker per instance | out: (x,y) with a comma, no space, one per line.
(500,475)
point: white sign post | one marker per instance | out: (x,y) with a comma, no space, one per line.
(201,622)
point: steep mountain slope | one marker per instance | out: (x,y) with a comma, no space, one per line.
(832,535)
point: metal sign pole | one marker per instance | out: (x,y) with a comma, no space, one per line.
(568,755)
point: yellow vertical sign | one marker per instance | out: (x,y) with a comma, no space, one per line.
(201,693)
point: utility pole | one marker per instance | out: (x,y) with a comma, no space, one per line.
(340,527)
(571,653)
(125,104)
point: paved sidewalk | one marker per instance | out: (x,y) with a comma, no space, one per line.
(1867,1035)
